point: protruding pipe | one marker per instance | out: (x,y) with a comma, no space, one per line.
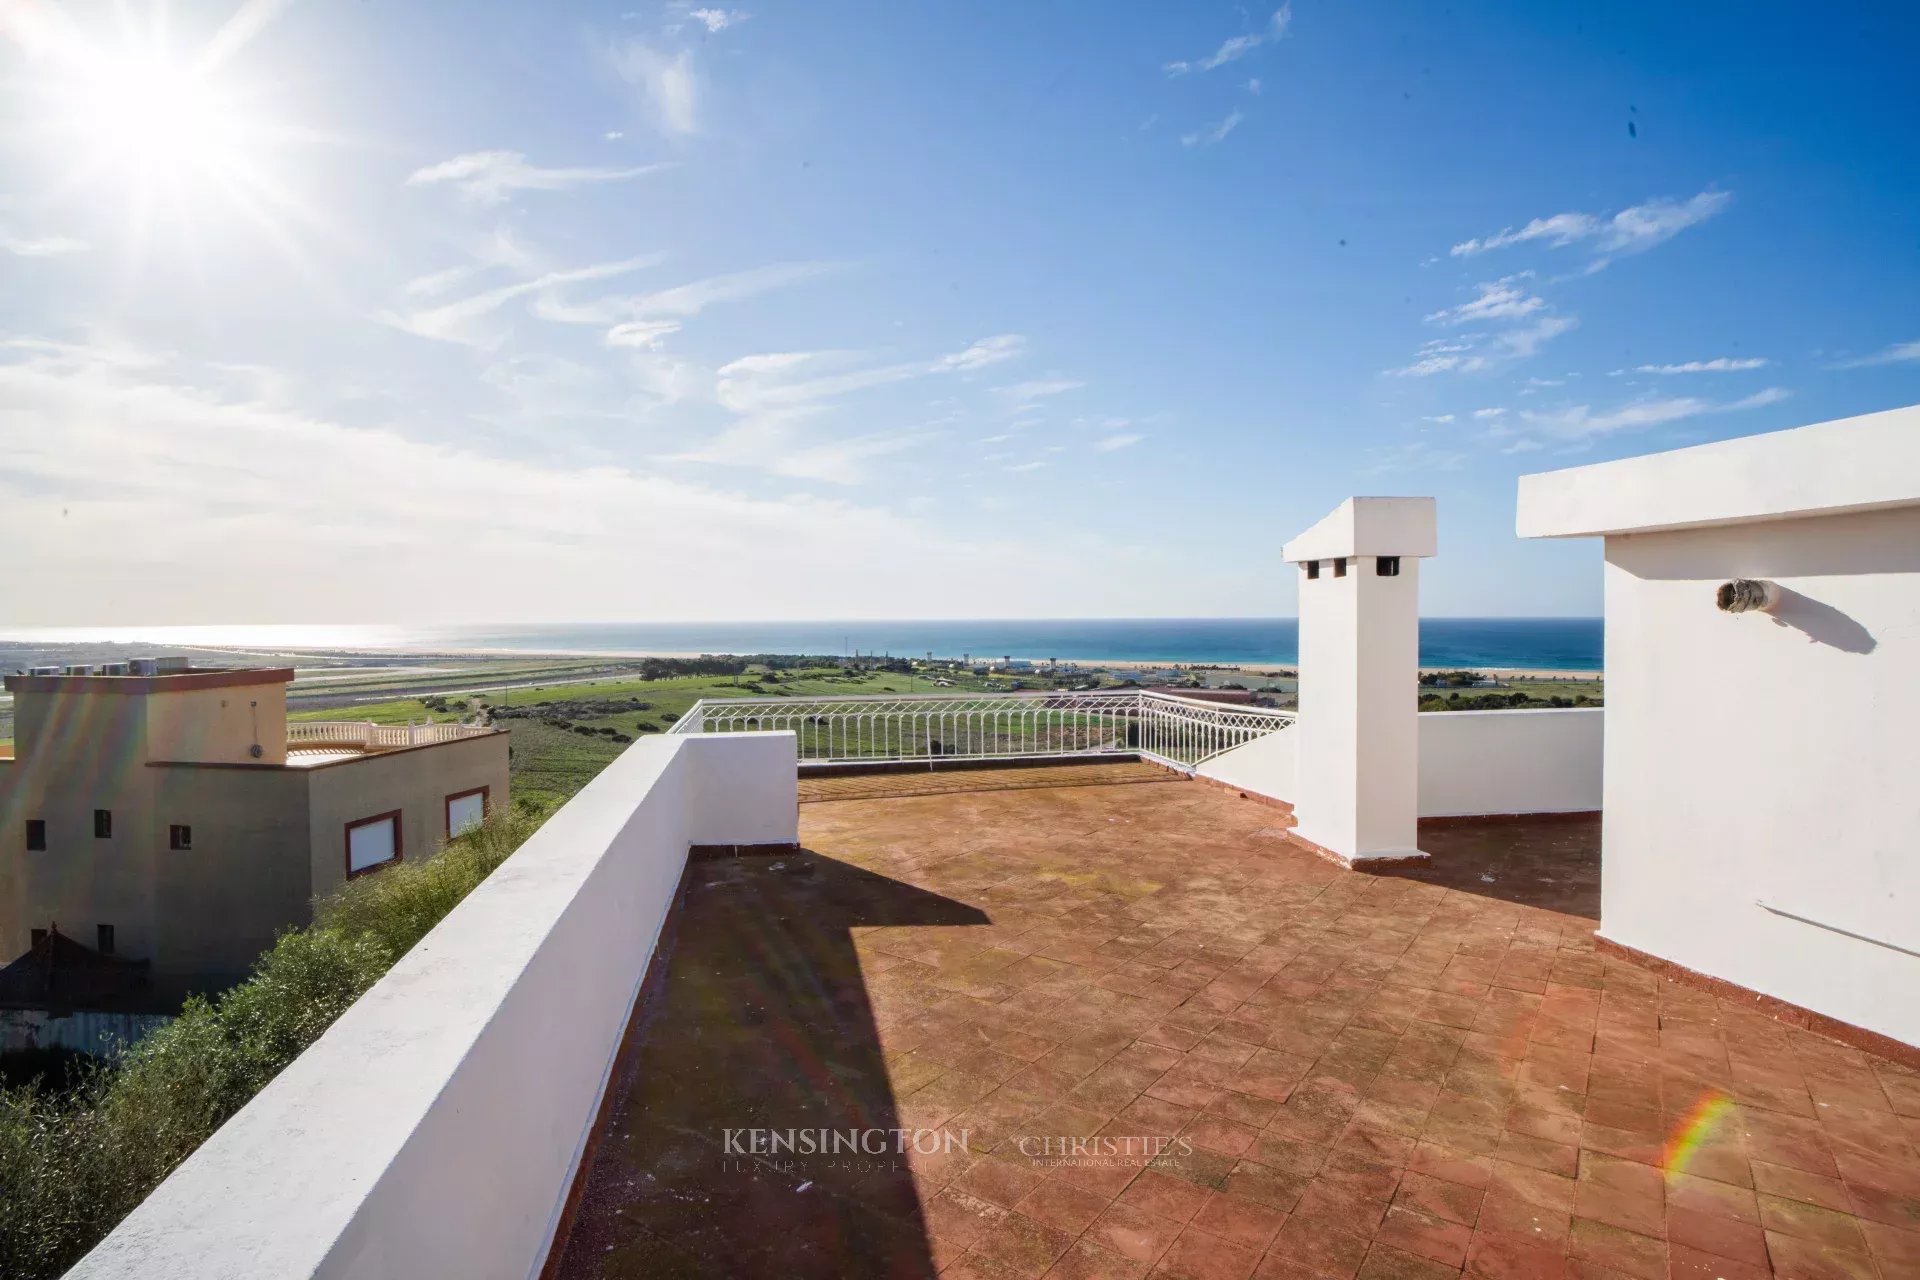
(1745,594)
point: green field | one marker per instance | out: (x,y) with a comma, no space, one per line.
(552,762)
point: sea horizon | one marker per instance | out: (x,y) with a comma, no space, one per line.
(1548,644)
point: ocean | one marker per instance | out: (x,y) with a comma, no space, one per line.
(1561,644)
(1569,644)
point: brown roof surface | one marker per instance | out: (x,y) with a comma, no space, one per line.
(169,682)
(58,973)
(1383,1076)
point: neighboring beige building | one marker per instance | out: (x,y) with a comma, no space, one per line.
(176,818)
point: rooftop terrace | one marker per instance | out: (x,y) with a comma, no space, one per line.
(1340,1073)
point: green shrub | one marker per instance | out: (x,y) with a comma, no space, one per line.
(75,1162)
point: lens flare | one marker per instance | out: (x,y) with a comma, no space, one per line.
(1693,1130)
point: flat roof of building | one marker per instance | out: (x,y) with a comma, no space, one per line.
(1867,463)
(167,682)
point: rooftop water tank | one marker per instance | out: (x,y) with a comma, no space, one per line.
(43,671)
(145,666)
(170,663)
(114,669)
(78,669)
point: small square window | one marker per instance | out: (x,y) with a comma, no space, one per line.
(1387,566)
(1340,567)
(1313,569)
(103,939)
(36,936)
(103,824)
(36,835)
(179,837)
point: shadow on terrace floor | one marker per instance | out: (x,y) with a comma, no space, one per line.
(1548,861)
(762,1021)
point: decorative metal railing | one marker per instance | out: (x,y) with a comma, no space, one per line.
(1172,730)
(368,735)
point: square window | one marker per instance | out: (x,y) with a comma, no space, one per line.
(465,811)
(1340,567)
(1313,568)
(1387,566)
(179,837)
(373,843)
(36,936)
(36,834)
(103,939)
(103,824)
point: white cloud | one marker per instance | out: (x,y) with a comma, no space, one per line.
(1518,344)
(1898,353)
(1486,414)
(646,335)
(1475,354)
(1578,424)
(491,177)
(1559,230)
(1438,417)
(1427,366)
(718,20)
(1215,133)
(680,301)
(1631,230)
(1253,86)
(1498,300)
(1040,388)
(270,501)
(1720,364)
(1123,440)
(30,246)
(1025,466)
(464,321)
(1237,47)
(667,83)
(987,351)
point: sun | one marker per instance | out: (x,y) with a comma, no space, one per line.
(146,110)
(132,115)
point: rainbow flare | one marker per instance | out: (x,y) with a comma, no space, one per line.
(1691,1133)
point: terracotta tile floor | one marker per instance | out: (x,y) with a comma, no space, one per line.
(1342,1074)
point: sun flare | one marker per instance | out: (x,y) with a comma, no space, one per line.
(129,115)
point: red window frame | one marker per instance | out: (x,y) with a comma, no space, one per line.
(399,839)
(446,806)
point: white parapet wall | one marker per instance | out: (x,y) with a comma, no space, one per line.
(434,1130)
(1471,762)
(1542,760)
(1263,767)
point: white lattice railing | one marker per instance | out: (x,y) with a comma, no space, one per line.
(367,734)
(1163,727)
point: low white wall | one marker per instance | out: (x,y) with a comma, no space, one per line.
(435,1128)
(1263,767)
(1471,762)
(1544,760)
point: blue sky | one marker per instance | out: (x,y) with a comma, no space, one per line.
(486,312)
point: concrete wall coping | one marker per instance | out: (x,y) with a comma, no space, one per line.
(1851,464)
(1369,527)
